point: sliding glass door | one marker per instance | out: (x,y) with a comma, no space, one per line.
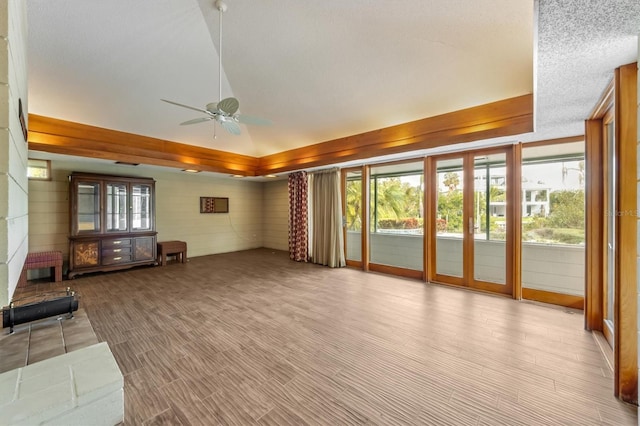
(354,214)
(471,226)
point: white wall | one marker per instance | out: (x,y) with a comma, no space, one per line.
(354,246)
(403,251)
(275,215)
(13,148)
(178,214)
(556,268)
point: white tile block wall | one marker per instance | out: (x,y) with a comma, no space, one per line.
(13,147)
(83,387)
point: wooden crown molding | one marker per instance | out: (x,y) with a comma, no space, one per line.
(69,138)
(502,118)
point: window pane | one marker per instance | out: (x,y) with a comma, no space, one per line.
(397,214)
(490,218)
(449,217)
(38,169)
(353,215)
(553,232)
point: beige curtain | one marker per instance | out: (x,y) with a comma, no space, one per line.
(325,218)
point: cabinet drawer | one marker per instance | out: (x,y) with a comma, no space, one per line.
(115,243)
(114,259)
(116,251)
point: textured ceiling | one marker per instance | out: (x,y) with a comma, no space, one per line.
(321,70)
(580,42)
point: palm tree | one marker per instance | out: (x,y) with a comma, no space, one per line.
(353,205)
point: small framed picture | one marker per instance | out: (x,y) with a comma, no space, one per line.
(214,205)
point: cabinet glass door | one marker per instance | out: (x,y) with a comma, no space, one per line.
(88,205)
(116,207)
(140,207)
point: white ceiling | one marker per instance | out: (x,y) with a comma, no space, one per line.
(320,70)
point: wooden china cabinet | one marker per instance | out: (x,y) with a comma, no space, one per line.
(112,222)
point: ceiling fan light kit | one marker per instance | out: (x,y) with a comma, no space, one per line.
(225,111)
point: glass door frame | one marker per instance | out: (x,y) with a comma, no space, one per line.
(609,159)
(468,280)
(363,263)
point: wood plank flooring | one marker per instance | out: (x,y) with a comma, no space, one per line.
(251,338)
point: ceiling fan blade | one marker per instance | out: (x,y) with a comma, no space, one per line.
(247,119)
(212,107)
(186,106)
(229,105)
(230,126)
(196,120)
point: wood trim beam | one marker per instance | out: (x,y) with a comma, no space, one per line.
(503,118)
(567,300)
(626,291)
(394,270)
(366,215)
(603,104)
(595,223)
(515,198)
(429,214)
(544,142)
(64,137)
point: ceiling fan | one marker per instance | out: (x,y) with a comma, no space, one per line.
(224,112)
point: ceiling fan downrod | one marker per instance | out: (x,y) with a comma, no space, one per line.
(222,7)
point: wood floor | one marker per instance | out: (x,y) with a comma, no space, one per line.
(253,338)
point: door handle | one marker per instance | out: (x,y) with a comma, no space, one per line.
(470,226)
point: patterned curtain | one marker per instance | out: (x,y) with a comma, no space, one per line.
(327,238)
(298,248)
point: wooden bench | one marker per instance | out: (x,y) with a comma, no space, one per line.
(177,248)
(44,259)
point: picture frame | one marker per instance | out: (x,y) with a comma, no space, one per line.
(214,205)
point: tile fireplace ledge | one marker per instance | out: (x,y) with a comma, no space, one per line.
(78,388)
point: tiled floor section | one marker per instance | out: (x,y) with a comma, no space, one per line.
(45,338)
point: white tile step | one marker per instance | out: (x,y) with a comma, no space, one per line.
(78,388)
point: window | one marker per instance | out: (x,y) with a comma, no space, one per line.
(396,200)
(39,169)
(553,220)
(553,194)
(396,215)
